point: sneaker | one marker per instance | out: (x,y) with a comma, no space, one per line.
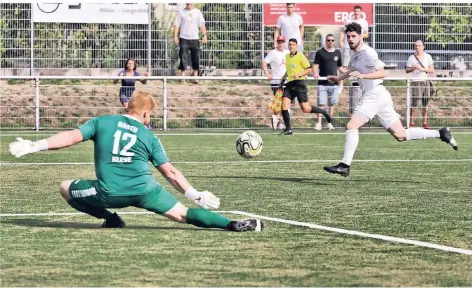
(275,122)
(330,126)
(286,132)
(412,124)
(341,169)
(425,125)
(445,135)
(113,221)
(318,126)
(255,225)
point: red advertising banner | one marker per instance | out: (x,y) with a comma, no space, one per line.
(318,14)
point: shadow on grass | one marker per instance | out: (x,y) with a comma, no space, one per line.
(74,225)
(319,181)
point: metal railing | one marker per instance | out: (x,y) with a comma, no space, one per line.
(52,102)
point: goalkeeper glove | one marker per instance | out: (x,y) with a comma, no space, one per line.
(203,199)
(22,147)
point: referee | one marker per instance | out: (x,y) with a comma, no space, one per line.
(298,67)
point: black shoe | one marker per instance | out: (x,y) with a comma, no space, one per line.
(246,225)
(286,132)
(114,221)
(341,169)
(445,135)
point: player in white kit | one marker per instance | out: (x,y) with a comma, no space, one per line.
(375,101)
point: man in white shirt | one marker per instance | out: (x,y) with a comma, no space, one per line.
(276,60)
(375,101)
(420,65)
(354,90)
(189,20)
(290,25)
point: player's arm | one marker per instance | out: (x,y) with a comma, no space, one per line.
(410,67)
(265,68)
(276,34)
(341,37)
(315,69)
(302,31)
(341,77)
(378,74)
(304,63)
(61,140)
(178,21)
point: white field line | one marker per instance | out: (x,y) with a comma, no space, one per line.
(256,162)
(289,222)
(230,134)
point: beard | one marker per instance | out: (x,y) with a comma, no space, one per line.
(354,46)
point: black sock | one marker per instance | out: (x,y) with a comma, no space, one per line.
(315,109)
(100,213)
(286,117)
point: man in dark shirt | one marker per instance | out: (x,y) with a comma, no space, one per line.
(327,62)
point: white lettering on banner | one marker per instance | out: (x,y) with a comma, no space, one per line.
(90,13)
(340,16)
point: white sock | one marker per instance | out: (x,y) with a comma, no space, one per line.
(420,134)
(352,139)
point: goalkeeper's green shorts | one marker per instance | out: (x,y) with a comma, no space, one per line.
(158,200)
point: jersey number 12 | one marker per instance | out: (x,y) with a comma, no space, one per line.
(123,136)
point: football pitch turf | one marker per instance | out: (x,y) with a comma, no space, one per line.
(419,190)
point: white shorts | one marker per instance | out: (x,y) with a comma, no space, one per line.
(378,102)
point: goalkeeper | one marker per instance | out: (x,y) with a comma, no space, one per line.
(123,148)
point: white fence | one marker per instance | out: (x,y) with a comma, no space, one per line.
(59,102)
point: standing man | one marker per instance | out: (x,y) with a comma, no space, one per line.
(327,62)
(290,25)
(419,65)
(276,60)
(376,101)
(189,20)
(298,67)
(354,89)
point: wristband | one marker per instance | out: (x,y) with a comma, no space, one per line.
(42,145)
(191,193)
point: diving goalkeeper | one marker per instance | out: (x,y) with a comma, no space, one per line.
(123,148)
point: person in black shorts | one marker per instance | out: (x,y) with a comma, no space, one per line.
(298,67)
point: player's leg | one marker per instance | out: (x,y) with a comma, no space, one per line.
(160,201)
(425,101)
(415,94)
(184,51)
(322,100)
(275,116)
(83,196)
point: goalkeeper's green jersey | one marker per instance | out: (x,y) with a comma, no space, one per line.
(123,147)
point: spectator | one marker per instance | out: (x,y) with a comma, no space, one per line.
(276,60)
(420,64)
(188,21)
(355,92)
(129,85)
(290,25)
(327,62)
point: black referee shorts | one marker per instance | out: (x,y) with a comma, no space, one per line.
(296,89)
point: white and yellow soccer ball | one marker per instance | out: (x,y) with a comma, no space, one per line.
(249,144)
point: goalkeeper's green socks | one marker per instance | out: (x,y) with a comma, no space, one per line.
(100,213)
(206,219)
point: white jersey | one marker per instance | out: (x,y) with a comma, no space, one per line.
(426,61)
(362,22)
(290,26)
(276,60)
(365,61)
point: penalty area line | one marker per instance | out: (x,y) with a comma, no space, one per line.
(256,162)
(289,222)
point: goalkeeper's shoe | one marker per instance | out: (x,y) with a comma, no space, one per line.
(246,225)
(114,221)
(445,135)
(286,132)
(341,169)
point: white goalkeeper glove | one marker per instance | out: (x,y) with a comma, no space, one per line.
(203,199)
(22,147)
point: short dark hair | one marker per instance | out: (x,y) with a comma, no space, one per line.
(135,63)
(288,4)
(329,35)
(293,40)
(357,7)
(353,27)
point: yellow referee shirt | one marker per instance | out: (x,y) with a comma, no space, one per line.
(296,64)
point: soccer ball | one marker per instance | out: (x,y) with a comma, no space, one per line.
(249,144)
